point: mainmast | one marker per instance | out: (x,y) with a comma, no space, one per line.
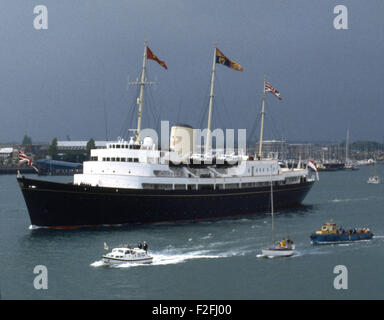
(211,95)
(262,123)
(140,98)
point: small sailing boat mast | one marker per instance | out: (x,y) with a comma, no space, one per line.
(262,122)
(347,148)
(211,95)
(272,213)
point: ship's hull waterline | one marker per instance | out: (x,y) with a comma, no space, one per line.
(52,204)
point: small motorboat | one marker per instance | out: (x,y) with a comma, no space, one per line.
(351,166)
(374,180)
(124,254)
(330,233)
(284,248)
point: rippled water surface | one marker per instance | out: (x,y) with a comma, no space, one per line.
(203,260)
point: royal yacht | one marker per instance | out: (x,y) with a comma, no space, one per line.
(135,181)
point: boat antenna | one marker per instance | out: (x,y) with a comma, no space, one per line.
(106,122)
(262,122)
(211,95)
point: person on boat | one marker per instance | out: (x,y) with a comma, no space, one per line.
(140,246)
(282,243)
(145,246)
(289,243)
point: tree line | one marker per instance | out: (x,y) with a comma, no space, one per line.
(53,151)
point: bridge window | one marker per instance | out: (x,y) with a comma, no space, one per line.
(206,187)
(148,186)
(163,186)
(232,186)
(247,185)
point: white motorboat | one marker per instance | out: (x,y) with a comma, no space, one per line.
(123,254)
(374,180)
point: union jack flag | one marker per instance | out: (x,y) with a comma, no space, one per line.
(24,158)
(269,88)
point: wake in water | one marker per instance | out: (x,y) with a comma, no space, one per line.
(171,255)
(348,200)
(160,259)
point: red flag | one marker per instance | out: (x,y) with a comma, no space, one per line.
(151,56)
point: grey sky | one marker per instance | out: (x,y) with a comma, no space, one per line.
(55,82)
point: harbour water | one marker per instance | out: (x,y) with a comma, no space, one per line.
(203,260)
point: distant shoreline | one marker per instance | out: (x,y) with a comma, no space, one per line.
(13,170)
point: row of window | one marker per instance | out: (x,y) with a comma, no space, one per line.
(260,169)
(117,159)
(227,186)
(125,146)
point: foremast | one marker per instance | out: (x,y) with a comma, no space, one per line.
(211,95)
(140,98)
(143,81)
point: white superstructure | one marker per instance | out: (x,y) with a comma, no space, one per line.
(128,165)
(141,165)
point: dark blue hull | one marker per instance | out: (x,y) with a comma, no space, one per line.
(339,238)
(52,204)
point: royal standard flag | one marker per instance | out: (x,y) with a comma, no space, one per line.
(222,59)
(151,55)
